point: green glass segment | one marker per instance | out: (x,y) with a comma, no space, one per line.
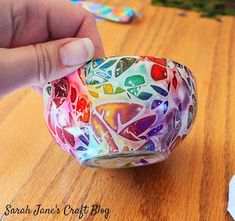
(135,80)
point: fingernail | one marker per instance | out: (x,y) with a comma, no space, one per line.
(77,52)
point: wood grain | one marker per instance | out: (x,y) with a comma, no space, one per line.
(191,185)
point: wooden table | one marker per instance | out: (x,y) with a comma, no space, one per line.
(191,185)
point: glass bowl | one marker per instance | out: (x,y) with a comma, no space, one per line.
(122,111)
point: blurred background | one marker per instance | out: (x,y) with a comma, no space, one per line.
(209,8)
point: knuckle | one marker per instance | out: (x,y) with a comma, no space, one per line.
(43,63)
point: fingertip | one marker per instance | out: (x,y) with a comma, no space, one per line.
(77,52)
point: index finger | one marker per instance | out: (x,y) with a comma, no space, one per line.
(69,20)
(40,21)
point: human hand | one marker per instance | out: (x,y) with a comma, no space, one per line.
(41,41)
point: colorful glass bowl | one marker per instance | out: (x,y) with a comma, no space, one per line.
(122,111)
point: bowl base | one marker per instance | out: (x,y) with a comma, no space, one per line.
(125,160)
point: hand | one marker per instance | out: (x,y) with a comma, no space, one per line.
(41,41)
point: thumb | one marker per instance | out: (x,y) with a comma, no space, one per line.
(40,63)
